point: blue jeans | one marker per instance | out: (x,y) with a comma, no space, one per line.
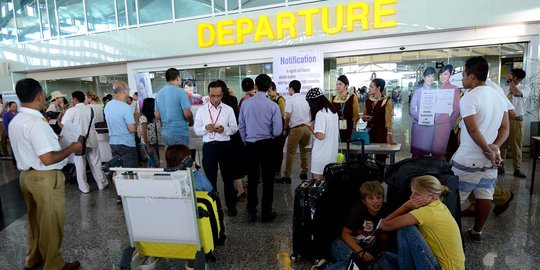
(342,253)
(176,140)
(153,159)
(414,252)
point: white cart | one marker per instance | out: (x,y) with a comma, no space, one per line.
(161,215)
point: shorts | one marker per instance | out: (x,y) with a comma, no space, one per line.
(476,175)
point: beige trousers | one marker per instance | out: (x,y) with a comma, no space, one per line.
(298,136)
(515,143)
(44,195)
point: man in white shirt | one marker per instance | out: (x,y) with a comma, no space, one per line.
(40,160)
(216,122)
(297,120)
(483,130)
(84,117)
(517,93)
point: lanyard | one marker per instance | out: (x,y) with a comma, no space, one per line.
(212,118)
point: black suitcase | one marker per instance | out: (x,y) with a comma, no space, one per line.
(398,177)
(320,209)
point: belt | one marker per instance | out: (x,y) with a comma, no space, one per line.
(217,142)
(301,125)
(32,169)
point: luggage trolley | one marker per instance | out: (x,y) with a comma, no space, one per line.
(162,217)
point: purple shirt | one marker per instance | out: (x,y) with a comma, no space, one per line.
(260,119)
(6,118)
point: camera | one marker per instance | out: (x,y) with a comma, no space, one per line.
(51,115)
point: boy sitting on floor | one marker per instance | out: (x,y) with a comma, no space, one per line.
(360,236)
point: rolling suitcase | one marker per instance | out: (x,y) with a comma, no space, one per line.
(213,204)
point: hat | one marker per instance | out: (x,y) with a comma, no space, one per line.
(314,93)
(56,94)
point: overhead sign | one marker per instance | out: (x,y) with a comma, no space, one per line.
(283,25)
(306,67)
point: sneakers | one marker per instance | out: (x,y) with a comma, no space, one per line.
(520,174)
(499,209)
(475,237)
(303,176)
(320,265)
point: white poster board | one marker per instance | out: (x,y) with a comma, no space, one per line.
(144,87)
(435,101)
(306,67)
(8,96)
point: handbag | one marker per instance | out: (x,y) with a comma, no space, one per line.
(361,135)
(83,139)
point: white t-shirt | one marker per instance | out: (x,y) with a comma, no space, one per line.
(31,136)
(325,151)
(519,102)
(488,106)
(298,107)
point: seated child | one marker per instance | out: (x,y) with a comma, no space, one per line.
(435,243)
(360,236)
(180,154)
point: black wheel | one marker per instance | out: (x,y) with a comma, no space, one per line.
(200,261)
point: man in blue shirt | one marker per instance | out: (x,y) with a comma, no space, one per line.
(259,123)
(122,127)
(173,109)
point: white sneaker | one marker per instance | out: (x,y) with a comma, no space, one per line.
(320,265)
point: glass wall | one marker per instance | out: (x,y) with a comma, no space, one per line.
(30,20)
(101,85)
(403,71)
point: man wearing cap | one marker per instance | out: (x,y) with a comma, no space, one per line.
(57,102)
(259,123)
(40,160)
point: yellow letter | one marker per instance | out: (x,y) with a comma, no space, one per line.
(222,32)
(339,20)
(352,17)
(282,25)
(379,12)
(264,28)
(241,31)
(308,13)
(211,34)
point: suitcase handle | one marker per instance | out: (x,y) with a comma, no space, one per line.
(363,143)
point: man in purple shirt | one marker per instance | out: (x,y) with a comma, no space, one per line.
(259,123)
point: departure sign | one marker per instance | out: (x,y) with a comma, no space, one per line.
(349,17)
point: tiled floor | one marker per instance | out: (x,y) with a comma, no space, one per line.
(95,231)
